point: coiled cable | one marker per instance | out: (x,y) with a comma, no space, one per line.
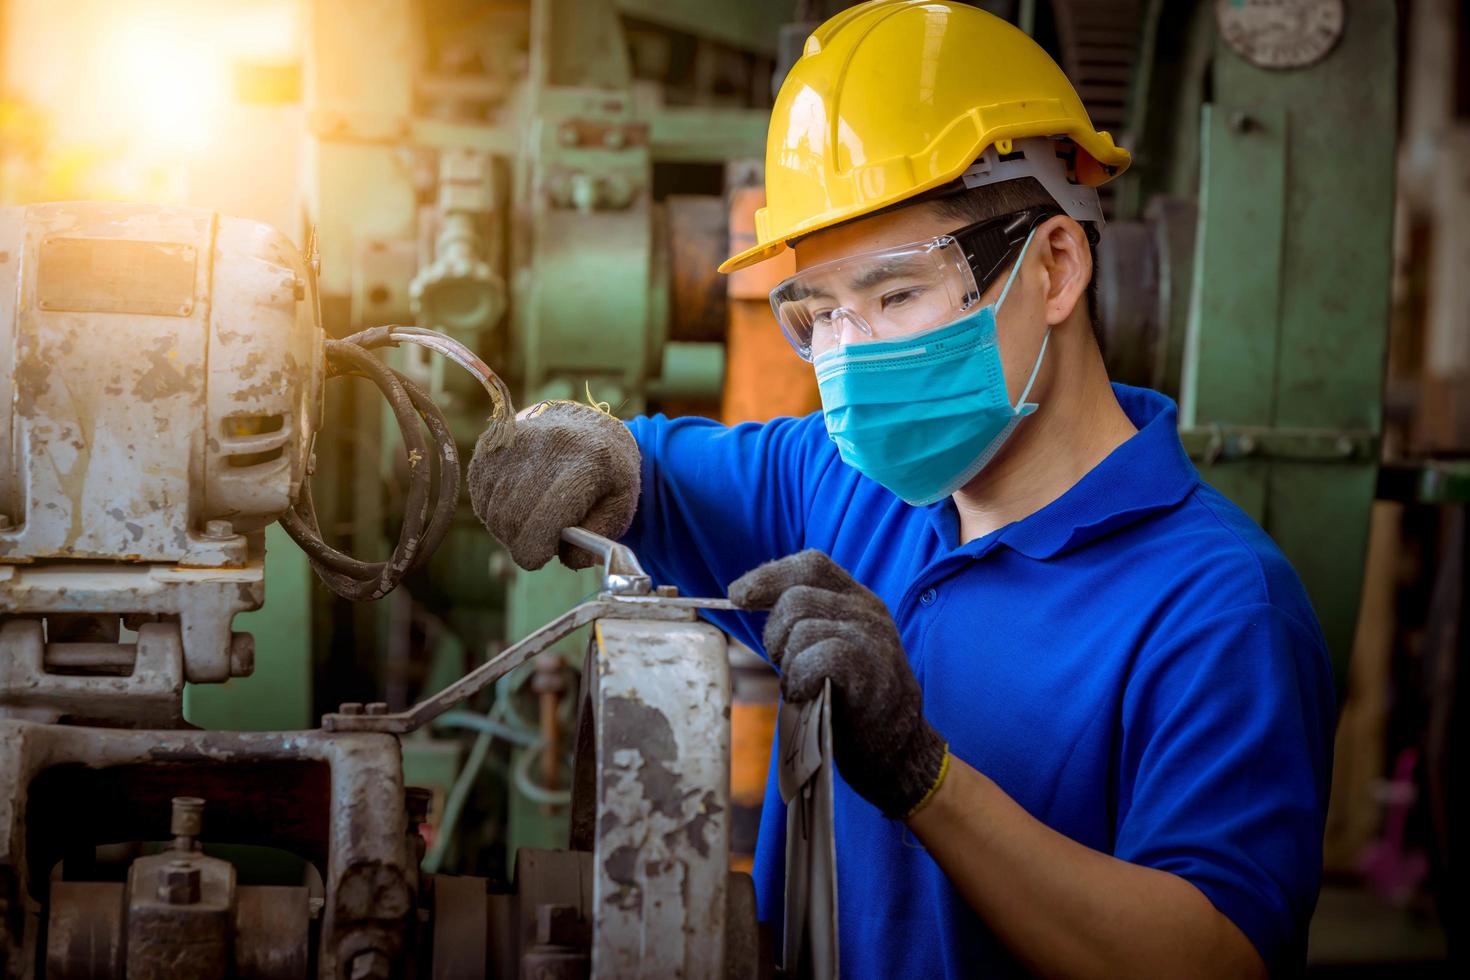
(433,472)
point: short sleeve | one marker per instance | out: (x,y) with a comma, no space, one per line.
(1224,767)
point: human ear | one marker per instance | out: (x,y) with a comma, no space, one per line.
(1067,261)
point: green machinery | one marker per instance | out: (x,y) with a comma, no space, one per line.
(534,179)
(540,178)
(1247,270)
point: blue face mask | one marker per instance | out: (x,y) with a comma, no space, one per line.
(923,414)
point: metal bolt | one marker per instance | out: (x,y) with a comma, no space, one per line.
(372,964)
(4,521)
(568,134)
(1241,122)
(614,138)
(350,708)
(219,529)
(178,883)
(377,708)
(187,819)
(1345,447)
(667,591)
(1246,445)
(558,925)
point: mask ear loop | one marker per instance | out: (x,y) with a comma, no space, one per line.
(1022,407)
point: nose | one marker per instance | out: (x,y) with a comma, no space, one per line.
(849,328)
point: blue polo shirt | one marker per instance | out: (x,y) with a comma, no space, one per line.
(1136,664)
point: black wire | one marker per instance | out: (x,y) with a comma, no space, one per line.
(433,479)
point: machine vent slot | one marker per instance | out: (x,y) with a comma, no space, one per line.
(243,460)
(253,425)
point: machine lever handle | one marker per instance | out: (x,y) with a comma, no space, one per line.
(621,572)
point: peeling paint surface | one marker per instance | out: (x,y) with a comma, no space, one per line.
(661,853)
(124,435)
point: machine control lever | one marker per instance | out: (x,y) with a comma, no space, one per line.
(621,572)
(628,593)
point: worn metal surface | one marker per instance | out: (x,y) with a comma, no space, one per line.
(149,694)
(180,917)
(165,366)
(160,355)
(86,925)
(272,932)
(662,848)
(647,607)
(337,799)
(203,601)
(84,930)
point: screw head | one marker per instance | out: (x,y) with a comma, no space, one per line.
(377,708)
(350,708)
(178,883)
(4,521)
(219,529)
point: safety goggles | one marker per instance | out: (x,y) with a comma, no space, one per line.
(897,291)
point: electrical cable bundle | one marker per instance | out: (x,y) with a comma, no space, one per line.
(433,471)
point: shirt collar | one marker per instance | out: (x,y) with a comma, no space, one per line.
(1147,473)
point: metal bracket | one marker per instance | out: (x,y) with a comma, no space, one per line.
(1212,444)
(627,594)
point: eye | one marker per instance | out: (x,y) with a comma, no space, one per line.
(823,316)
(900,296)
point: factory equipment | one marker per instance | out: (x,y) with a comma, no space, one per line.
(168,367)
(540,183)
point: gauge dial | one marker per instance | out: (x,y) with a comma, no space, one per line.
(1280,33)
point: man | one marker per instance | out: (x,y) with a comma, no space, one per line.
(1082,708)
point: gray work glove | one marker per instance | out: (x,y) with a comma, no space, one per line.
(824,625)
(569,465)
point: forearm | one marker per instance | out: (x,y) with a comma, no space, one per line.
(1065,909)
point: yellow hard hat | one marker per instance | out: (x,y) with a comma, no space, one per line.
(894,97)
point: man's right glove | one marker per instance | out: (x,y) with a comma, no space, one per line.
(569,465)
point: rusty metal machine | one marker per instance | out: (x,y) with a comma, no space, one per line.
(167,367)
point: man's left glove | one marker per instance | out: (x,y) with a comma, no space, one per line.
(824,625)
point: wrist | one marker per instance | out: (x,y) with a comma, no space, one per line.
(933,790)
(917,772)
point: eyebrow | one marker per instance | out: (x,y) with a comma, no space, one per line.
(867,279)
(884,271)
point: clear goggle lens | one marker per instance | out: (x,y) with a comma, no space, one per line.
(876,295)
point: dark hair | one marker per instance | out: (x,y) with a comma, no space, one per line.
(1008,197)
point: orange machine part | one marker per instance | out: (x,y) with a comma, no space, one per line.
(764,378)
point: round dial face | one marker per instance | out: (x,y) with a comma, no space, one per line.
(1280,33)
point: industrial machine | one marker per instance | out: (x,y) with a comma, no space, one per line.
(168,367)
(546,186)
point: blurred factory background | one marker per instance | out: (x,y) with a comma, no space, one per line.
(554,181)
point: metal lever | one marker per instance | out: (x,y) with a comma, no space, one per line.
(621,573)
(627,593)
